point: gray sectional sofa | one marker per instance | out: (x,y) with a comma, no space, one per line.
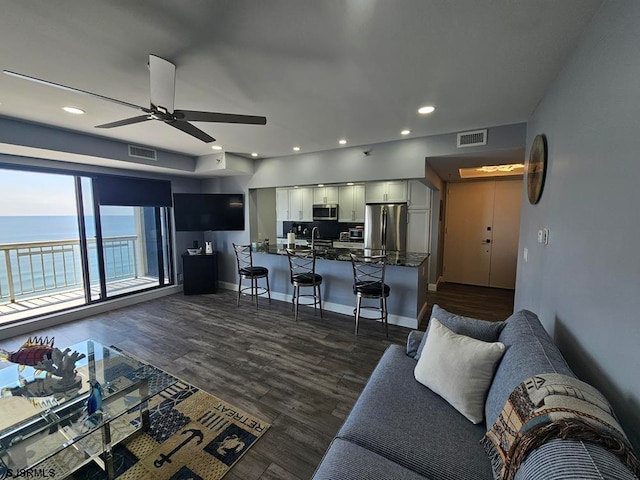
(400,429)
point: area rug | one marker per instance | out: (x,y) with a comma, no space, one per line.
(193,435)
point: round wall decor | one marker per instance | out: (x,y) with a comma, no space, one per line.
(535,168)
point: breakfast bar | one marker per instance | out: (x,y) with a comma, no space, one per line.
(406,274)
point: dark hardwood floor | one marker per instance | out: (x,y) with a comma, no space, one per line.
(301,377)
(479,302)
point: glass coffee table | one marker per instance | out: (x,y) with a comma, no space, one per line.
(44,429)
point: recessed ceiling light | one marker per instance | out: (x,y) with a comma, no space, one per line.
(296,186)
(321,184)
(426,109)
(342,141)
(296,149)
(254,154)
(74,110)
(216,147)
(350,183)
(405,132)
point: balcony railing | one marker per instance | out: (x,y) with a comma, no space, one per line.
(28,269)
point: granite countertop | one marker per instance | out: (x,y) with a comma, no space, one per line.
(402,259)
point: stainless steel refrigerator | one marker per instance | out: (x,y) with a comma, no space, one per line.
(385,226)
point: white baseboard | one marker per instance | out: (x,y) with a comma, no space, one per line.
(407,322)
(433,287)
(84,311)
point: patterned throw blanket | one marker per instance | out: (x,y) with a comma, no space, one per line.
(551,406)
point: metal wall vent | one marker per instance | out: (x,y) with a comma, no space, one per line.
(141,152)
(473,138)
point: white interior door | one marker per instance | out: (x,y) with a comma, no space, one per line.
(481,233)
(506,227)
(468,229)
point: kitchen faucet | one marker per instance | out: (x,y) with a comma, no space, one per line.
(313,235)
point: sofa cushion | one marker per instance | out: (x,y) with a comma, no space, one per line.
(348,461)
(530,351)
(414,340)
(458,368)
(471,327)
(401,420)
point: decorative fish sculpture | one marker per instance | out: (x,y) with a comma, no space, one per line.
(31,353)
(94,402)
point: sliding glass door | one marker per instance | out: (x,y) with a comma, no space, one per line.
(133,257)
(70,239)
(40,255)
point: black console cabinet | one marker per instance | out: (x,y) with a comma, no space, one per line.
(200,273)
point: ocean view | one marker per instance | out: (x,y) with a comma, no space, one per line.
(42,271)
(43,228)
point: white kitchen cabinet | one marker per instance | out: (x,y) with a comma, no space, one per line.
(301,204)
(419,196)
(351,203)
(282,204)
(325,195)
(386,192)
(294,204)
(418,230)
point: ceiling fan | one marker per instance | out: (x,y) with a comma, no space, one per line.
(162,75)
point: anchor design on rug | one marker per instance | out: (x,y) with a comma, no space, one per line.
(162,459)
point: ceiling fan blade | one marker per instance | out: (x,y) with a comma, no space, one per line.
(193,116)
(126,121)
(162,77)
(74,90)
(193,131)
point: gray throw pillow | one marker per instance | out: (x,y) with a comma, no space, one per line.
(471,327)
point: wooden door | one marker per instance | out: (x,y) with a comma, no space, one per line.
(467,240)
(506,228)
(481,233)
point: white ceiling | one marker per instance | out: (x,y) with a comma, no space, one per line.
(319,70)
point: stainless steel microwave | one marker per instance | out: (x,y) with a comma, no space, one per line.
(325,212)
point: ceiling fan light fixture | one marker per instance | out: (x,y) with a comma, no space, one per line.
(426,109)
(73,110)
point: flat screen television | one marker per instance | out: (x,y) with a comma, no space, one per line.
(199,212)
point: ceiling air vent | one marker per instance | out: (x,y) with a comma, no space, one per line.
(141,152)
(472,139)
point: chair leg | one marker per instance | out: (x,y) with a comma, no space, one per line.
(385,315)
(239,289)
(254,289)
(297,301)
(293,299)
(320,300)
(358,312)
(268,289)
(315,301)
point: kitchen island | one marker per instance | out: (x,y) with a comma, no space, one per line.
(406,273)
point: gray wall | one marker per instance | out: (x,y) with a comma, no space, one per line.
(585,284)
(403,159)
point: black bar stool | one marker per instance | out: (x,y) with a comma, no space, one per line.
(302,268)
(247,271)
(368,282)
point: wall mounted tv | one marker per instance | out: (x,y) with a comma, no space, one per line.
(199,212)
